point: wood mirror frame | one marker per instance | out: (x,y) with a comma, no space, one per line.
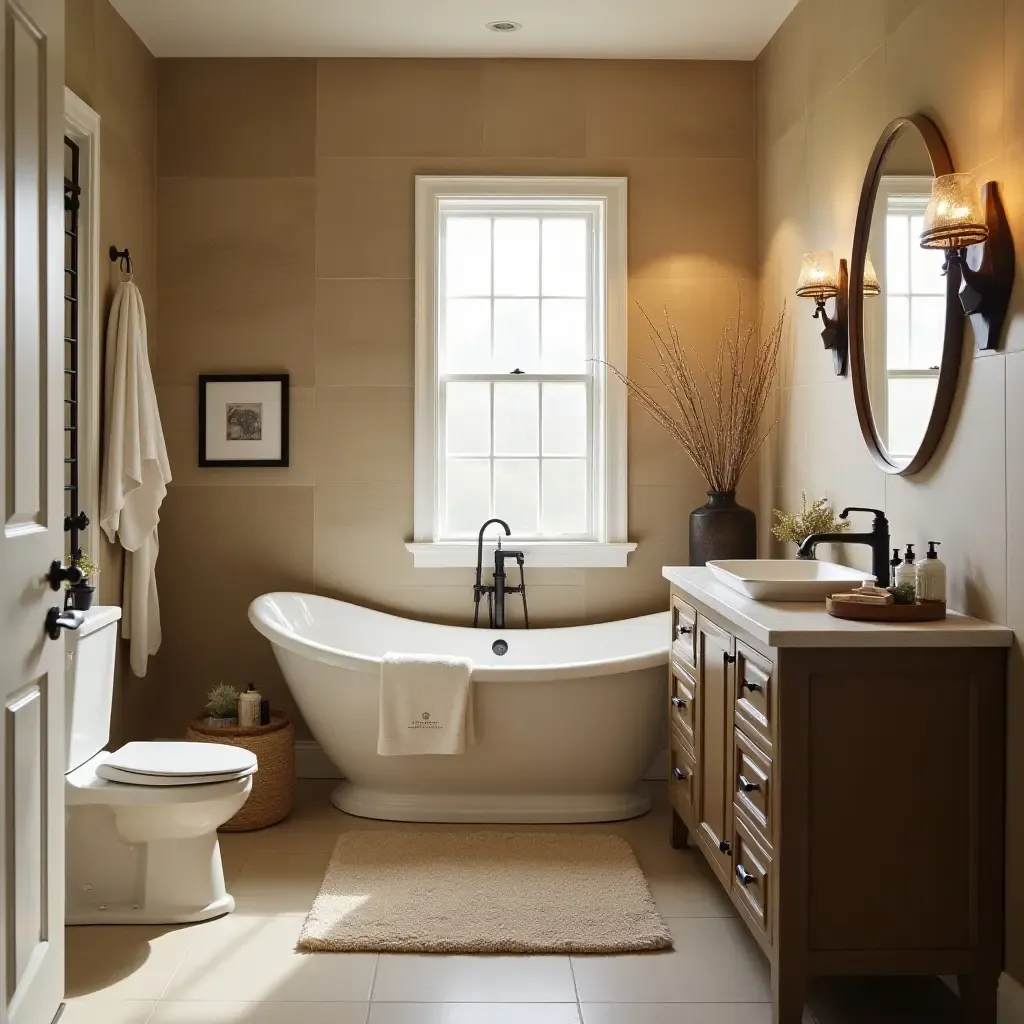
(953,342)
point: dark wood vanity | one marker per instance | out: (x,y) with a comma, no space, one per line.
(844,780)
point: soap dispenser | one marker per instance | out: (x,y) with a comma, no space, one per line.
(931,576)
(894,565)
(906,574)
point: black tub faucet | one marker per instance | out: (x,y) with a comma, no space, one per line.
(877,540)
(497,591)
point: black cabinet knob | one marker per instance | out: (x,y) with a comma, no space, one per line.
(682,630)
(747,786)
(725,846)
(743,875)
(678,702)
(751,686)
(678,774)
(730,659)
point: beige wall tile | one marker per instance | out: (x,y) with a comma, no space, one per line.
(844,34)
(363,435)
(968,106)
(897,11)
(237,118)
(1015,690)
(236,287)
(179,415)
(364,218)
(1014,39)
(692,218)
(783,76)
(221,547)
(698,309)
(384,107)
(661,108)
(125,80)
(841,134)
(533,108)
(364,332)
(80,47)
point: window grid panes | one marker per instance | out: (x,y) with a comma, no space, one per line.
(516,327)
(915,322)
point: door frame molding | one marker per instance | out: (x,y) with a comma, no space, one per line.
(82,124)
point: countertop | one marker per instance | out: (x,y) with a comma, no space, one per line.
(806,624)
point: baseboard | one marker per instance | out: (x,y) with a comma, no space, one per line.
(312,763)
(1011,1000)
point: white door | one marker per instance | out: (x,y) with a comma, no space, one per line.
(31,467)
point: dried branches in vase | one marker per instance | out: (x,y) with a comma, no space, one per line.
(715,412)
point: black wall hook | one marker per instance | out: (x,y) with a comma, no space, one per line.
(124,256)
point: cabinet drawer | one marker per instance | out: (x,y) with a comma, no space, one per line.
(682,699)
(755,695)
(682,779)
(684,622)
(752,878)
(752,785)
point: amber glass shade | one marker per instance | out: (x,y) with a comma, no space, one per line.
(818,277)
(872,287)
(954,218)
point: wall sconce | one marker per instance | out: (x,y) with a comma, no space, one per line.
(973,230)
(820,281)
(872,286)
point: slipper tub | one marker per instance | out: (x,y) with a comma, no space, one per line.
(567,720)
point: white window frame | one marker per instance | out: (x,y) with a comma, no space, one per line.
(608,546)
(82,126)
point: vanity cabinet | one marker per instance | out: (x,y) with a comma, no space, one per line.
(845,783)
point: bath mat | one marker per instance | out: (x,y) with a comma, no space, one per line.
(483,892)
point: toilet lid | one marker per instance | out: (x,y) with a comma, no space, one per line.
(176,764)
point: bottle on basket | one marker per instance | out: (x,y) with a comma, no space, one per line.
(249,708)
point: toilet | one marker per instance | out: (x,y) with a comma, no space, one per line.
(142,821)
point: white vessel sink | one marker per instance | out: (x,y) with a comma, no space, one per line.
(787,579)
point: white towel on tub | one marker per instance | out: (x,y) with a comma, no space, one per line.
(426,704)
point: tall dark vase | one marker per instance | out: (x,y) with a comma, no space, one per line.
(722,529)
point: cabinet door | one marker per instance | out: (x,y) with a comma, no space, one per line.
(715,738)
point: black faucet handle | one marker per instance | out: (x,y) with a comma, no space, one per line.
(876,512)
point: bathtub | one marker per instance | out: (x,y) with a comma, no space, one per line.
(567,721)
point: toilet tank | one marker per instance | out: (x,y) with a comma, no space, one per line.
(89,684)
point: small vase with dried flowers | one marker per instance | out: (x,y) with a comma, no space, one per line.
(715,413)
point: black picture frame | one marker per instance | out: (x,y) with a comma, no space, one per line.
(205,380)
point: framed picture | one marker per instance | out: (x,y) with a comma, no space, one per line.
(243,419)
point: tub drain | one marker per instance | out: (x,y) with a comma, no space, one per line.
(499,647)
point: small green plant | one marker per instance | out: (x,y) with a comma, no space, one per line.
(815,518)
(904,593)
(222,701)
(90,570)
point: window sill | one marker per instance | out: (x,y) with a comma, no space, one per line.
(539,554)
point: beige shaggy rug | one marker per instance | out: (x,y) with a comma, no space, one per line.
(483,892)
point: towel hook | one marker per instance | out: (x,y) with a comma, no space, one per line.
(125,259)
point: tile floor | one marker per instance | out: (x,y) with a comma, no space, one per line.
(243,969)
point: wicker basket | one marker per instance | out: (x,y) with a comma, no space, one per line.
(274,783)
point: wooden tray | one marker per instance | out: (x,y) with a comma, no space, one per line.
(928,611)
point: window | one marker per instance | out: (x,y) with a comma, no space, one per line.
(520,301)
(914,312)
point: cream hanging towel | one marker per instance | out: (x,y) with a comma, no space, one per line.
(135,470)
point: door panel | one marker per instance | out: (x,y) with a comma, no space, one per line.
(31,463)
(715,729)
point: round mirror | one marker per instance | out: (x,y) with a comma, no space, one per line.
(906,323)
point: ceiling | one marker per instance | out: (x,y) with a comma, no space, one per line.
(704,29)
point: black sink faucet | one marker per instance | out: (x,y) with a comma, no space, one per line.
(877,540)
(496,592)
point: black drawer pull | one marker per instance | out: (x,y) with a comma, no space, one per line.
(747,786)
(682,630)
(744,875)
(752,687)
(678,774)
(678,702)
(730,659)
(725,846)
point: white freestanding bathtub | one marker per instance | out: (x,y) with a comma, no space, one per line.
(567,721)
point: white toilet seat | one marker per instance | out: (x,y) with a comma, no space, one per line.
(176,764)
